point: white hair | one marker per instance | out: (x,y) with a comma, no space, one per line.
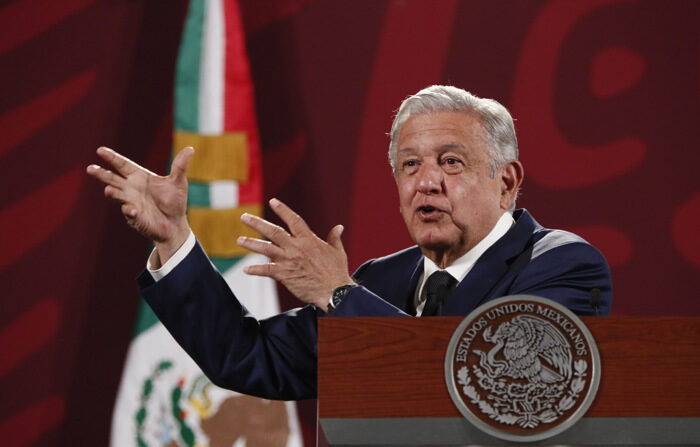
(495,120)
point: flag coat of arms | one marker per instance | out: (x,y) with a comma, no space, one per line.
(164,399)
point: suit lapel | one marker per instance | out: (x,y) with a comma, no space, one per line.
(491,267)
(409,291)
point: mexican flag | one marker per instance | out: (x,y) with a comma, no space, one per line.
(164,399)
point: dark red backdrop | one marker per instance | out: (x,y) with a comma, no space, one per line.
(605,94)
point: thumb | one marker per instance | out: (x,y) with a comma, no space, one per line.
(334,237)
(178,169)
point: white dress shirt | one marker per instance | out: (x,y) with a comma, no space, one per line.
(175,259)
(464,263)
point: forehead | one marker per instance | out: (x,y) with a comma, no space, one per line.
(428,130)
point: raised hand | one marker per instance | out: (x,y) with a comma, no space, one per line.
(153,205)
(308,266)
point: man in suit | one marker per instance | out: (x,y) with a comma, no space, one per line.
(455,162)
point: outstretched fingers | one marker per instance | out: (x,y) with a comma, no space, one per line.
(178,168)
(264,248)
(334,239)
(120,163)
(262,270)
(116,194)
(309,267)
(114,184)
(106,176)
(297,225)
(273,232)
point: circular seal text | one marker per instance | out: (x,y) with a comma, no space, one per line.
(522,368)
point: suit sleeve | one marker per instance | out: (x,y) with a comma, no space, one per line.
(568,274)
(361,302)
(274,358)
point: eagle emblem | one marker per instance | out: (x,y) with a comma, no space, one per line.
(532,348)
(521,367)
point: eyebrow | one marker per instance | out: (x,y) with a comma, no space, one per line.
(452,146)
(443,148)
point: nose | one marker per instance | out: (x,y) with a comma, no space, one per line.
(430,177)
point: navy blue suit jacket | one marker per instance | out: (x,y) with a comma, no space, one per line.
(276,358)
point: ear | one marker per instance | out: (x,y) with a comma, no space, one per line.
(511,177)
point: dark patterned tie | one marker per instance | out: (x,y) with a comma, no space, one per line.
(438,288)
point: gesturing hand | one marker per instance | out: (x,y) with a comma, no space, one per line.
(308,266)
(153,205)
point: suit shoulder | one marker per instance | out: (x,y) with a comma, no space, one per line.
(546,240)
(541,240)
(398,260)
(563,267)
(405,255)
(559,252)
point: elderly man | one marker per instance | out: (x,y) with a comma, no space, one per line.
(455,162)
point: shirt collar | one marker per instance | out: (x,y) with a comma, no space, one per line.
(462,265)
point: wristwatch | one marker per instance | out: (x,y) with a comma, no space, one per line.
(337,296)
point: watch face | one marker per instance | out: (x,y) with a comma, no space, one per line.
(339,293)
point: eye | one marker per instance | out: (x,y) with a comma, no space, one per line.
(451,161)
(409,166)
(451,164)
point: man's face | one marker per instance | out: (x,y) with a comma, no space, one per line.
(448,199)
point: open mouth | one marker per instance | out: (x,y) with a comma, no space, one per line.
(428,212)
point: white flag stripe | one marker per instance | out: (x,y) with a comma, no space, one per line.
(254,292)
(211,69)
(223,194)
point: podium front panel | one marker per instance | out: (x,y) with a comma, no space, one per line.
(381,382)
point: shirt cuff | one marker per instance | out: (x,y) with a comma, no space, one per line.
(174,260)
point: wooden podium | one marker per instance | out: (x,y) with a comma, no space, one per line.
(381,381)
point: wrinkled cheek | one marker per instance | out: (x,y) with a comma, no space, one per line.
(406,219)
(413,225)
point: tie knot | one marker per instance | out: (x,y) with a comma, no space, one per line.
(438,288)
(439,282)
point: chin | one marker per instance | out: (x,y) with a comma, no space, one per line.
(433,242)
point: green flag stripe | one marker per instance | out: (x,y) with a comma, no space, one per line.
(145,318)
(198,195)
(187,70)
(223,264)
(186,114)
